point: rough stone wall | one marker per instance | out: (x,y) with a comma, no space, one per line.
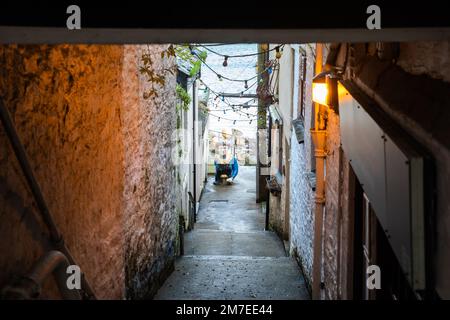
(150,215)
(332,207)
(65,101)
(277,214)
(102,155)
(301,186)
(301,209)
(429,58)
(344,285)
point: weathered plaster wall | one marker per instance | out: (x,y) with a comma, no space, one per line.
(429,58)
(101,154)
(331,219)
(301,209)
(302,185)
(150,216)
(65,101)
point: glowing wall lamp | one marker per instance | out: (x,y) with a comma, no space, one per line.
(324,89)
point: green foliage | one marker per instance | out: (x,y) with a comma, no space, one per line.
(156,77)
(184,97)
(194,61)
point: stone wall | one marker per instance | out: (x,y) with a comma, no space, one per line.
(302,185)
(301,211)
(100,155)
(149,199)
(332,206)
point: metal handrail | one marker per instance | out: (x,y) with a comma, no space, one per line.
(55,236)
(29,287)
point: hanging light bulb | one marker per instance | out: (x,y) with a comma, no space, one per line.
(224,112)
(220,77)
(246,85)
(264,46)
(278,53)
(223,98)
(250,122)
(218,120)
(225,61)
(234,122)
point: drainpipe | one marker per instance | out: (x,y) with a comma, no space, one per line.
(269,156)
(55,236)
(194,149)
(29,286)
(318,135)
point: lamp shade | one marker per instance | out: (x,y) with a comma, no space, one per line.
(320,93)
(324,89)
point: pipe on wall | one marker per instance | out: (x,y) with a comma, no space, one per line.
(19,151)
(29,287)
(318,135)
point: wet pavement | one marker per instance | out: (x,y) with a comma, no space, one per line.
(228,255)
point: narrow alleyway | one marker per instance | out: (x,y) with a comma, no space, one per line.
(228,255)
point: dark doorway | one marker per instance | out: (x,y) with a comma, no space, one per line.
(371,247)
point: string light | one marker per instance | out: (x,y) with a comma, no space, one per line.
(239,55)
(221,94)
(225,61)
(278,53)
(227,119)
(245,85)
(226,78)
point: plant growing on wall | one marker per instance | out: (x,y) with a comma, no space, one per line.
(156,76)
(183,97)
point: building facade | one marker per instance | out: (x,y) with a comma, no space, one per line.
(367,170)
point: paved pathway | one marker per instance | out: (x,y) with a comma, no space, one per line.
(228,255)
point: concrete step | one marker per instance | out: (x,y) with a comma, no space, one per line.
(234,277)
(216,242)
